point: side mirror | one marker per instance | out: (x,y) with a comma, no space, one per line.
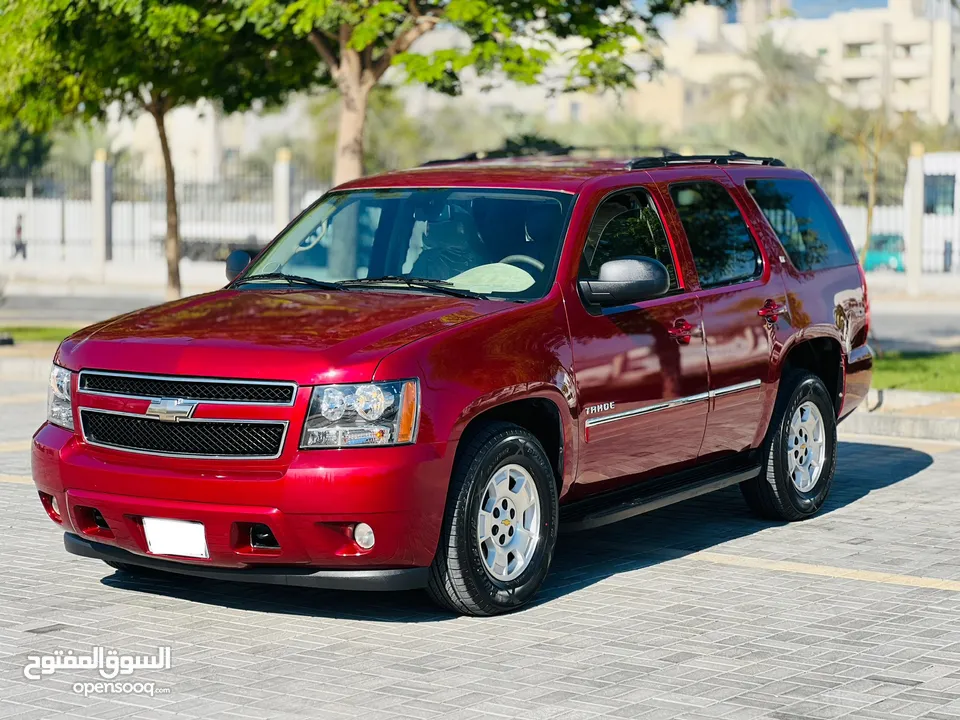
(627,280)
(237,262)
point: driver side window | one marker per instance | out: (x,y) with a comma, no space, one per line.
(626,224)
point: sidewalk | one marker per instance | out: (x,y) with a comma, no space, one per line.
(907,414)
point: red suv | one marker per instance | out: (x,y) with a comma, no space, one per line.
(430,372)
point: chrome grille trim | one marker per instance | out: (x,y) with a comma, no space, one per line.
(292,386)
(159,453)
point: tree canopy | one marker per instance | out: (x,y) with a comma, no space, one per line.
(85,58)
(588,43)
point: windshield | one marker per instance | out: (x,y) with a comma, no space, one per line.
(498,243)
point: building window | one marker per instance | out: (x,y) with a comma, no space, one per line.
(938,192)
(574,112)
(821,52)
(903,51)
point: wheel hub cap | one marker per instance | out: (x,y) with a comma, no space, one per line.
(508,526)
(806,447)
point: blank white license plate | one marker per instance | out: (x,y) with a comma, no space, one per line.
(175,537)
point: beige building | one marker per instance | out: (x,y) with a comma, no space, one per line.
(903,56)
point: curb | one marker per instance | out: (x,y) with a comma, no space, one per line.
(888,412)
(903,426)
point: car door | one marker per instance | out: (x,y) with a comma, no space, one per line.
(641,370)
(742,296)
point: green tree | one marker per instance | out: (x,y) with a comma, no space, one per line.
(78,58)
(870,134)
(21,150)
(359,40)
(774,76)
(621,133)
(76,145)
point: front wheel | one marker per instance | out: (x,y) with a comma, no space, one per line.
(800,452)
(500,524)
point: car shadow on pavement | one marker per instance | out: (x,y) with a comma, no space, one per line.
(581,559)
(710,520)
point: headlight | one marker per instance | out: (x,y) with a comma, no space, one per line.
(384,413)
(59,407)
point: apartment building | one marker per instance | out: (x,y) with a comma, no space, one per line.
(903,56)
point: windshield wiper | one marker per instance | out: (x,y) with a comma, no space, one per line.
(441,286)
(292,280)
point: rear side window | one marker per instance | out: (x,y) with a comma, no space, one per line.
(807,229)
(723,249)
(626,224)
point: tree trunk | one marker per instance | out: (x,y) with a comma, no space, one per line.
(354,95)
(172,242)
(355,90)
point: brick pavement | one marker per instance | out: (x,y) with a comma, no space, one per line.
(691,612)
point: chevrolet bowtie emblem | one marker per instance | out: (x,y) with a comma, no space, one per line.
(172,409)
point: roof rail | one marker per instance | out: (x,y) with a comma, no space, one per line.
(734,157)
(559,151)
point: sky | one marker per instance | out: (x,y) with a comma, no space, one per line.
(822,8)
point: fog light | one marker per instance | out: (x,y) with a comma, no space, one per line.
(262,537)
(54,505)
(363,535)
(99,520)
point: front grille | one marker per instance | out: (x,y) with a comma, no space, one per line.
(194,438)
(188,388)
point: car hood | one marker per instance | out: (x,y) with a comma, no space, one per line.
(305,336)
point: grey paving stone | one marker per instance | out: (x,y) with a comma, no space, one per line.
(632,622)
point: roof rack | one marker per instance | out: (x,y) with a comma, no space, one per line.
(559,151)
(734,157)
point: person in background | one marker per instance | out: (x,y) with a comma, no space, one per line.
(19,246)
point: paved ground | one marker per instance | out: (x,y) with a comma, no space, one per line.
(696,611)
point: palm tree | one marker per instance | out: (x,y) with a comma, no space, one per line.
(775,76)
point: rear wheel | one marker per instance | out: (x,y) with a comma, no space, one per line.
(500,525)
(800,452)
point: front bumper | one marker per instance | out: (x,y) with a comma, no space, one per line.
(395,579)
(310,501)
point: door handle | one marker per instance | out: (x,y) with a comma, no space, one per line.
(771,311)
(682,331)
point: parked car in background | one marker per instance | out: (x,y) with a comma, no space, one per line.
(430,373)
(885,253)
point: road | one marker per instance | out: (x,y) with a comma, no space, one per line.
(696,611)
(933,326)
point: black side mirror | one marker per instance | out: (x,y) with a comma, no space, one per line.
(626,280)
(237,262)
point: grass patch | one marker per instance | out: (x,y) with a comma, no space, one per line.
(37,334)
(937,372)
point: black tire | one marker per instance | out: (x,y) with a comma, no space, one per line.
(772,495)
(458,580)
